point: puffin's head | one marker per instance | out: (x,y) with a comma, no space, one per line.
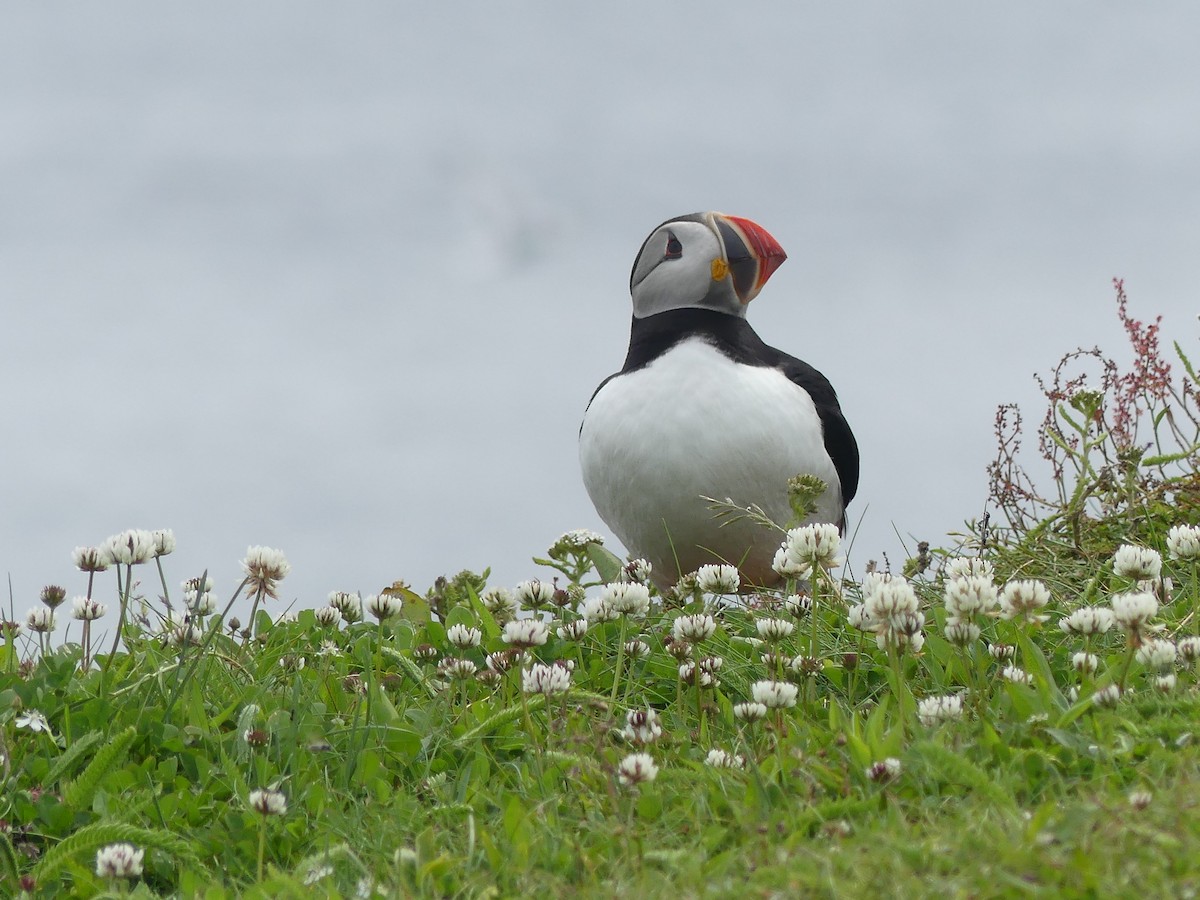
(705,261)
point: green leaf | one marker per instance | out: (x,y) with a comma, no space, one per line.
(608,564)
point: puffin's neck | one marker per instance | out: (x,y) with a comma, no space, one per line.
(653,336)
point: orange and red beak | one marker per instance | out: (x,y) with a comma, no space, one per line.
(752,253)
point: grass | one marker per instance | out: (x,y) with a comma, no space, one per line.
(413,762)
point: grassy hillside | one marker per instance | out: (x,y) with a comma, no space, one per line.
(1012,714)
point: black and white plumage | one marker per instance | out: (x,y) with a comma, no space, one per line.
(704,408)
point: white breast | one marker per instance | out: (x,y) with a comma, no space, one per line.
(691,424)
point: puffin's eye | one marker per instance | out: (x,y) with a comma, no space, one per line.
(674,248)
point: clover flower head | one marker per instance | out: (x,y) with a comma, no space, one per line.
(464,637)
(534,593)
(90,559)
(350,606)
(637,768)
(119,860)
(164,541)
(773,630)
(961,633)
(1139,800)
(1164,684)
(40,619)
(798,605)
(267,802)
(637,570)
(933,711)
(383,606)
(1087,620)
(969,567)
(637,649)
(884,770)
(574,630)
(627,598)
(642,726)
(130,548)
(525,633)
(858,616)
(970,596)
(722,759)
(1132,561)
(750,711)
(457,669)
(1132,611)
(1002,652)
(695,629)
(1189,649)
(890,598)
(1183,542)
(1016,675)
(597,610)
(774,694)
(1087,663)
(500,603)
(1157,653)
(327,616)
(1024,599)
(718,579)
(806,547)
(265,567)
(1107,696)
(86,609)
(902,630)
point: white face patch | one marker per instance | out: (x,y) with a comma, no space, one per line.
(675,271)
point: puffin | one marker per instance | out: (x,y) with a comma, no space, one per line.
(704,408)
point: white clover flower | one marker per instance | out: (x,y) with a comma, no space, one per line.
(1002,652)
(181,634)
(1087,620)
(383,606)
(458,669)
(164,541)
(265,567)
(961,633)
(1024,598)
(1140,799)
(859,617)
(642,726)
(119,860)
(525,633)
(698,673)
(40,619)
(718,579)
(534,593)
(970,596)
(884,770)
(130,548)
(637,649)
(573,631)
(327,616)
(597,610)
(627,598)
(1132,611)
(87,610)
(1108,696)
(33,720)
(749,712)
(637,768)
(90,559)
(267,802)
(890,598)
(1189,649)
(1183,542)
(774,629)
(901,630)
(499,602)
(695,629)
(463,636)
(1131,561)
(933,711)
(969,567)
(1016,675)
(1085,662)
(806,547)
(774,694)
(798,605)
(349,605)
(1157,653)
(1165,683)
(808,666)
(721,759)
(637,570)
